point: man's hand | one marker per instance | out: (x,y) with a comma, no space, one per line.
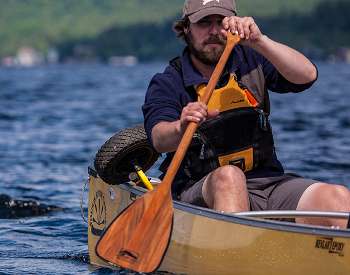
(195,112)
(245,27)
(166,136)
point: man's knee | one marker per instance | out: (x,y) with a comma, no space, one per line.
(325,197)
(225,190)
(227,177)
(328,197)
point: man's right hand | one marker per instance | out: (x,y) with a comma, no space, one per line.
(245,27)
(195,112)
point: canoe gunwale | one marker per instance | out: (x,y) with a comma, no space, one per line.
(293,214)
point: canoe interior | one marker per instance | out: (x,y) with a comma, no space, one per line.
(206,242)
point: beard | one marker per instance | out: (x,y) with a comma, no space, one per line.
(208,56)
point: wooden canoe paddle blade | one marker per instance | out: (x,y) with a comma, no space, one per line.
(138,238)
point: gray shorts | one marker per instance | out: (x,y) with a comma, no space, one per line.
(271,193)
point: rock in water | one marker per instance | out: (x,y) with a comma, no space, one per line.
(13,209)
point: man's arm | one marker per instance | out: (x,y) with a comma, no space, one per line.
(293,65)
(166,136)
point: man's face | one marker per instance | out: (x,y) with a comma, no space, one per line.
(205,39)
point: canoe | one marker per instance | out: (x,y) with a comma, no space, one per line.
(204,241)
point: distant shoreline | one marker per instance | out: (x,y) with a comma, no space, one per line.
(322,34)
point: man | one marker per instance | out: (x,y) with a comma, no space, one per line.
(231,165)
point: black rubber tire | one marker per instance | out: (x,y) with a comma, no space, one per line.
(116,158)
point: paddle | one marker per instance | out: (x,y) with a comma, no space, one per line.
(138,237)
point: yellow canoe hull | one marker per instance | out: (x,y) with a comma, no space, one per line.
(206,242)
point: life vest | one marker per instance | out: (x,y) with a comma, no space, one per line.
(240,135)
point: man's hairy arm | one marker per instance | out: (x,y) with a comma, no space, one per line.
(166,136)
(294,66)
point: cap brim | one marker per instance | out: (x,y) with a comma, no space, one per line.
(195,17)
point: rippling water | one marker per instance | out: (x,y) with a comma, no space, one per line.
(53,120)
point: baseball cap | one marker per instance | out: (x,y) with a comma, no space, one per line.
(197,9)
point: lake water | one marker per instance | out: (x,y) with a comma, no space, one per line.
(54,119)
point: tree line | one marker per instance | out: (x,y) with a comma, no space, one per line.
(320,33)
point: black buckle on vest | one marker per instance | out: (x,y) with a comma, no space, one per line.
(240,163)
(263,120)
(348,223)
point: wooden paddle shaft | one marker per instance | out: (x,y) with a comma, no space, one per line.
(232,40)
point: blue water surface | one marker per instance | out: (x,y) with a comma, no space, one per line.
(53,120)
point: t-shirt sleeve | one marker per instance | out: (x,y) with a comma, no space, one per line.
(277,83)
(162,102)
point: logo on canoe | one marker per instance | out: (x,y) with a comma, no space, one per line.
(331,245)
(98,214)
